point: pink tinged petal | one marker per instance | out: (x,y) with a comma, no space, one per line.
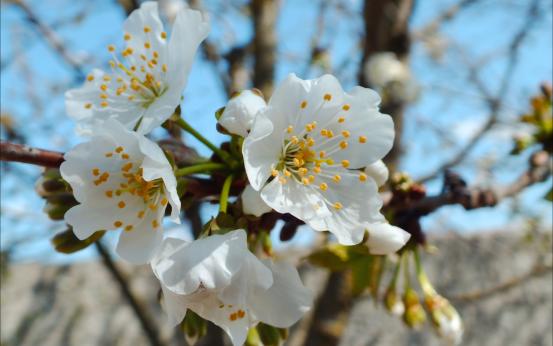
(240,112)
(208,262)
(261,151)
(385,238)
(286,301)
(252,203)
(190,28)
(175,306)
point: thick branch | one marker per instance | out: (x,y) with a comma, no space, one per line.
(264,14)
(150,329)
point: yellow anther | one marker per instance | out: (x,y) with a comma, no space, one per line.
(143,57)
(302,171)
(127,37)
(96,172)
(330,134)
(241,313)
(362,176)
(329,162)
(140,214)
(163,35)
(310,142)
(345,163)
(317,169)
(155,54)
(346,133)
(103,87)
(111,48)
(345,107)
(327,97)
(323,186)
(104,96)
(311,178)
(303,104)
(112,63)
(324,132)
(362,139)
(104,104)
(126,167)
(119,149)
(164,67)
(282,180)
(297,162)
(147,29)
(338,205)
(88,105)
(109,193)
(128,228)
(305,181)
(290,129)
(155,224)
(147,45)
(121,204)
(131,97)
(343,144)
(341,119)
(274,173)
(108,155)
(287,173)
(164,202)
(90,78)
(294,140)
(322,154)
(118,224)
(337,178)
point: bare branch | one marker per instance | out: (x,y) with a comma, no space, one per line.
(26,154)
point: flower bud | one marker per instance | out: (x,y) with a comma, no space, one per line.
(194,327)
(66,241)
(238,115)
(414,315)
(50,183)
(445,318)
(393,303)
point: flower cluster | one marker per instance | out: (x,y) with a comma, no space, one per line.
(313,151)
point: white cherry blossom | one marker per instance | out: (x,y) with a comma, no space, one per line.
(240,112)
(385,238)
(144,88)
(220,280)
(378,171)
(307,150)
(122,180)
(384,68)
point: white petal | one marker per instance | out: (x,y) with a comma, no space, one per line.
(240,112)
(190,28)
(210,262)
(385,238)
(141,244)
(286,301)
(156,166)
(378,171)
(252,203)
(210,309)
(261,151)
(175,306)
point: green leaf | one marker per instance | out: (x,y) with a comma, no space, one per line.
(66,241)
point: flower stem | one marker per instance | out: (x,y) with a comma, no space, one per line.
(223,202)
(186,127)
(200,168)
(421,275)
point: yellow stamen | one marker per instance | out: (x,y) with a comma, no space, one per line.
(362,139)
(345,163)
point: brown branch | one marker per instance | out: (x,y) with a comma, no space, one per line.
(536,271)
(22,153)
(149,328)
(265,13)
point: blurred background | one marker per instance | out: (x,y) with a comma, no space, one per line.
(458,76)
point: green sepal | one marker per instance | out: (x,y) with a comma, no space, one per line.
(66,242)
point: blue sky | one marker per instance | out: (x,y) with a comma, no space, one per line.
(38,78)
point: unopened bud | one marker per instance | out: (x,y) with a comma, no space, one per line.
(50,183)
(66,241)
(194,327)
(393,303)
(269,335)
(55,211)
(445,318)
(414,315)
(266,243)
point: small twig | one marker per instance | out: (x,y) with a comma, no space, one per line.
(150,329)
(536,271)
(22,153)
